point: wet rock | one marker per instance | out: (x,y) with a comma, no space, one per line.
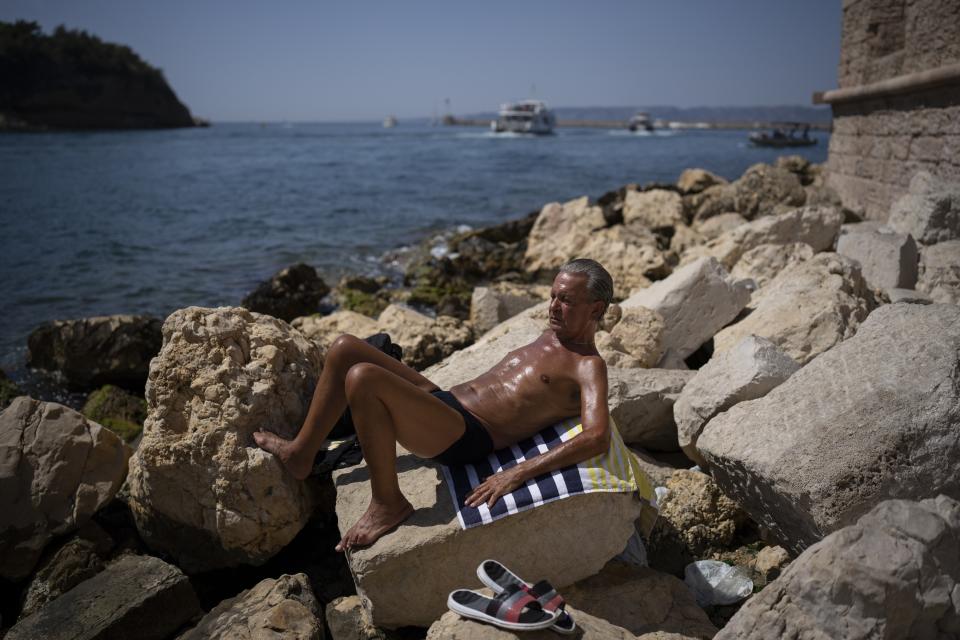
(348,620)
(652,209)
(697,180)
(762,187)
(696,519)
(807,309)
(940,272)
(641,404)
(79,559)
(56,470)
(747,371)
(635,341)
(491,305)
(718,225)
(816,226)
(425,341)
(763,263)
(451,626)
(404,578)
(930,211)
(894,573)
(8,390)
(134,597)
(887,260)
(849,429)
(281,608)
(291,292)
(695,302)
(121,412)
(91,352)
(200,489)
(640,600)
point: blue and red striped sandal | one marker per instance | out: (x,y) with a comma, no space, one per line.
(514,608)
(499,579)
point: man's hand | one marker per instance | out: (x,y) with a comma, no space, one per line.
(495,486)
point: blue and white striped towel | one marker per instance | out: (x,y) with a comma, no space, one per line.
(614,471)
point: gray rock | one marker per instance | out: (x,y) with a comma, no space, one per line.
(641,404)
(762,187)
(887,259)
(135,597)
(653,209)
(930,211)
(762,264)
(893,574)
(695,302)
(291,292)
(873,418)
(282,608)
(348,620)
(56,470)
(747,371)
(909,296)
(718,225)
(940,271)
(91,352)
(489,306)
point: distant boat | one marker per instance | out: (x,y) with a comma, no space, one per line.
(389,122)
(526,116)
(797,135)
(640,122)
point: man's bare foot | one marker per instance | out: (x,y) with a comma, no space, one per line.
(374,523)
(297,462)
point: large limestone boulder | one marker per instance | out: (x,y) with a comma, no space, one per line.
(560,230)
(817,226)
(893,574)
(696,180)
(641,600)
(807,309)
(929,211)
(940,271)
(201,490)
(452,627)
(282,608)
(290,293)
(695,520)
(747,371)
(629,252)
(635,341)
(694,302)
(135,597)
(91,352)
(425,340)
(653,209)
(404,578)
(763,263)
(641,403)
(56,470)
(500,301)
(873,418)
(888,260)
(762,187)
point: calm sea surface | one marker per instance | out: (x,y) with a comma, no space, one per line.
(152,221)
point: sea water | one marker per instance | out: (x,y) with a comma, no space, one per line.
(152,221)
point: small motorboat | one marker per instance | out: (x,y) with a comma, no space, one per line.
(791,134)
(389,122)
(640,122)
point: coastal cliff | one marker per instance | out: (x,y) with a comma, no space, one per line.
(73,80)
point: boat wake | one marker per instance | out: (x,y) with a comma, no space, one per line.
(658,133)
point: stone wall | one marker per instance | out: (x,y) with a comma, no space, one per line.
(882,138)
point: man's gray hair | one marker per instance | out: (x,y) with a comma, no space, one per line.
(599,282)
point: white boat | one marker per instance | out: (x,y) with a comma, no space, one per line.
(389,122)
(640,122)
(526,116)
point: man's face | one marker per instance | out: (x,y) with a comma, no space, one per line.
(571,309)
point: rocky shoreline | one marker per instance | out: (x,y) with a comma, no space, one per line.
(805,361)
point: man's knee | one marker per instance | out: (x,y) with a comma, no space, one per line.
(361,380)
(342,351)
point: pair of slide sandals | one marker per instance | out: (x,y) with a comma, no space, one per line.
(517,605)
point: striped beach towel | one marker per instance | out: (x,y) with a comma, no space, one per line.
(614,471)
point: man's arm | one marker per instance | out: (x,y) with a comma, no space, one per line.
(594,440)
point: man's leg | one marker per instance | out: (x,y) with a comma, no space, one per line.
(330,400)
(388,409)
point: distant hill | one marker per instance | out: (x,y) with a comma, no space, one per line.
(73,80)
(788,113)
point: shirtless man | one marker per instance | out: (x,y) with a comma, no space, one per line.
(558,375)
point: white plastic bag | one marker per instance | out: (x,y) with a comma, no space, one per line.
(714,582)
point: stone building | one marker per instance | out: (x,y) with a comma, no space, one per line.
(897,108)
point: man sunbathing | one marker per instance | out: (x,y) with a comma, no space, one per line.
(558,375)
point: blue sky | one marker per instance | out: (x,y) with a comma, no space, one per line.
(300,60)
